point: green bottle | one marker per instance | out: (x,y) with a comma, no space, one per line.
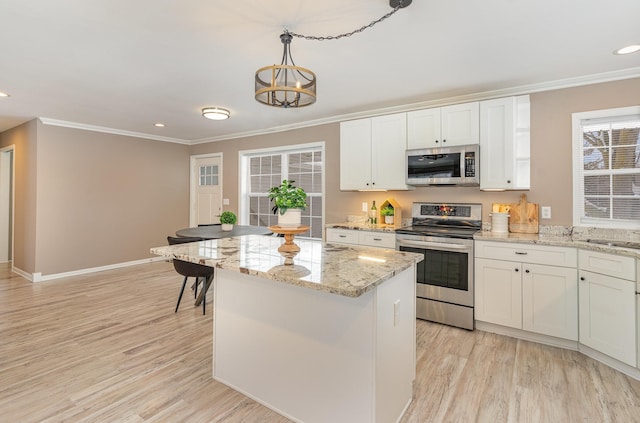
(374,214)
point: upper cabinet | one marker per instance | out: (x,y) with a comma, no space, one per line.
(444,126)
(504,144)
(372,153)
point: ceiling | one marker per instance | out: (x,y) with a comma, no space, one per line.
(126,65)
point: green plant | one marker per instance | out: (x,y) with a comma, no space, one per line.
(387,211)
(228,218)
(286,196)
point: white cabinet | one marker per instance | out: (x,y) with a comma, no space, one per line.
(372,153)
(358,237)
(444,126)
(513,289)
(607,304)
(505,143)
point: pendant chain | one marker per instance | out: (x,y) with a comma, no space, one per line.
(346,34)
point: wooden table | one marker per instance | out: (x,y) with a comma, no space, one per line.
(216,232)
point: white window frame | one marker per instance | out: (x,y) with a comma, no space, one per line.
(243,173)
(578,162)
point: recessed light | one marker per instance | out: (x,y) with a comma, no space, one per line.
(159,125)
(3,94)
(628,49)
(215,113)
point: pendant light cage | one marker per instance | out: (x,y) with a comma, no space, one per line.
(285,85)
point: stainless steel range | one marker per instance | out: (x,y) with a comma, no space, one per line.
(443,233)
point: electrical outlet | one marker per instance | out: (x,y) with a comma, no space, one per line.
(546,212)
(365,206)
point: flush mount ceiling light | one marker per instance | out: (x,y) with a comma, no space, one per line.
(287,85)
(627,49)
(3,94)
(215,113)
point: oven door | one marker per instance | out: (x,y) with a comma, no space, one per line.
(446,273)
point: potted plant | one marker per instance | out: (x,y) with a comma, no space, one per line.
(388,213)
(289,201)
(228,219)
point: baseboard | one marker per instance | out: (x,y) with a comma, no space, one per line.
(527,336)
(39,277)
(610,361)
(561,343)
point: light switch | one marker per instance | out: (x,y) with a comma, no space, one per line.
(225,201)
(546,212)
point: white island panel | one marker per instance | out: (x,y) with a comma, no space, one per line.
(315,356)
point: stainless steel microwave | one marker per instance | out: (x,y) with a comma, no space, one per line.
(457,165)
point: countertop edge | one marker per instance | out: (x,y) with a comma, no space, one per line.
(556,241)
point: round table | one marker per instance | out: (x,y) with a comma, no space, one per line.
(215,231)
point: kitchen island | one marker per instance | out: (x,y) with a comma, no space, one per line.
(329,338)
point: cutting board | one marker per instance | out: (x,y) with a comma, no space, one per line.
(523,217)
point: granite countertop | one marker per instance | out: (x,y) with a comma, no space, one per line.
(359,226)
(577,239)
(339,269)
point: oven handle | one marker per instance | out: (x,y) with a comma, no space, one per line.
(426,244)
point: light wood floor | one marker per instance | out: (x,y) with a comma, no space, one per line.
(107,347)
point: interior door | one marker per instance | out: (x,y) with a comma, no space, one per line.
(206,175)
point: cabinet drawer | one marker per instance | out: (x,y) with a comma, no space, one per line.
(378,239)
(344,236)
(527,253)
(608,264)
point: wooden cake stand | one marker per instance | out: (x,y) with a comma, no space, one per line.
(289,250)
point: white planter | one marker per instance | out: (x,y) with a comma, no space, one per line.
(226,226)
(290,219)
(388,220)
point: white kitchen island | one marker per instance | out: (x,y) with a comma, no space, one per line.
(328,339)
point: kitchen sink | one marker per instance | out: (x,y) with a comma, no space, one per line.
(609,243)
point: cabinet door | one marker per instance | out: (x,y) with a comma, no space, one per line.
(377,239)
(497,119)
(355,154)
(504,143)
(460,124)
(607,315)
(423,128)
(550,300)
(498,292)
(388,147)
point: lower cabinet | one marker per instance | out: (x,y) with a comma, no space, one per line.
(608,305)
(360,237)
(512,289)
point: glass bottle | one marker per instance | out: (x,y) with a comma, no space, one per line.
(373,214)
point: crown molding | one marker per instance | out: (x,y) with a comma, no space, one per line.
(486,95)
(103,129)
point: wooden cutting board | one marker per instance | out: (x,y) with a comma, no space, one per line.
(523,217)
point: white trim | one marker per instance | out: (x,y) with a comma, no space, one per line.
(103,129)
(486,95)
(38,277)
(22,273)
(12,217)
(193,179)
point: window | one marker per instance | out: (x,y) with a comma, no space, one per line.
(263,169)
(607,168)
(208,175)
